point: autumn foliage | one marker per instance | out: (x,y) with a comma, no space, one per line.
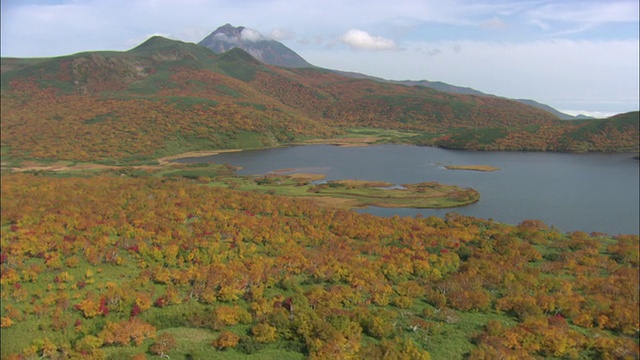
(279,270)
(114,266)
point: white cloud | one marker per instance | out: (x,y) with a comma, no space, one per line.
(361,40)
(281,34)
(225,38)
(251,35)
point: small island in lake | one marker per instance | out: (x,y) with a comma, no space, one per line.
(472,167)
(359,193)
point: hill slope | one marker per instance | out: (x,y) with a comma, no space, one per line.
(167,96)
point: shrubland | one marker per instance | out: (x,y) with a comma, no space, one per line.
(111,266)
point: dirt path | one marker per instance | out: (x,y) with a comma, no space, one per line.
(168,159)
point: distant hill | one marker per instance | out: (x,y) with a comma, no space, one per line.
(607,134)
(164,97)
(268,51)
(441,86)
(560,115)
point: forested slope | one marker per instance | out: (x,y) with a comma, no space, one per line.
(165,97)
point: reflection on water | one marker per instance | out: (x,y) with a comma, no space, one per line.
(586,192)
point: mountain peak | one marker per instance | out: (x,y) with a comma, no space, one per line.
(229,29)
(228,32)
(153,42)
(268,51)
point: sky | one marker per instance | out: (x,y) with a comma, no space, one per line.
(576,56)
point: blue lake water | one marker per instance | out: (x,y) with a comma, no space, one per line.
(585,192)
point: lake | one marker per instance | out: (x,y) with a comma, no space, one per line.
(586,192)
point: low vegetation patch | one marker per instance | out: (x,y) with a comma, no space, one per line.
(472,167)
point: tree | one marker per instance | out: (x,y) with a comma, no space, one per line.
(226,340)
(264,333)
(127,331)
(163,344)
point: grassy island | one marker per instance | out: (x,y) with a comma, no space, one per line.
(355,193)
(422,195)
(472,167)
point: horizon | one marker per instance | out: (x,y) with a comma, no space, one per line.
(579,57)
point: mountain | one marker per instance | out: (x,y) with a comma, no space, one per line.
(268,51)
(165,97)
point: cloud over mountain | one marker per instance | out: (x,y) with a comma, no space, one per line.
(281,34)
(251,35)
(362,40)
